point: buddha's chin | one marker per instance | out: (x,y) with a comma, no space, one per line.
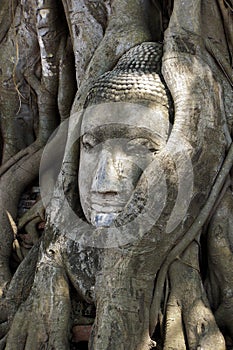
(99,219)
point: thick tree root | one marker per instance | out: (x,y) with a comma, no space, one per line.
(17,179)
(6,8)
(220,263)
(190,235)
(18,290)
(190,323)
(23,154)
(42,321)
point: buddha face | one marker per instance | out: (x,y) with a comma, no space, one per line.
(118,142)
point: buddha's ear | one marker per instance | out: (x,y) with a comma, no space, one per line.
(60,161)
(70,163)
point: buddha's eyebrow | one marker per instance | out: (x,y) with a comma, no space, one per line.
(115,130)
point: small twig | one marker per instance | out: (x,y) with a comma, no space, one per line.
(16,246)
(12,223)
(229,5)
(17,249)
(189,236)
(16,62)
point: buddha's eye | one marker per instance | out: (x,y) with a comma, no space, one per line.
(141,145)
(88,142)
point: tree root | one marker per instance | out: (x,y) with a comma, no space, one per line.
(16,180)
(28,151)
(28,223)
(22,169)
(220,264)
(190,323)
(36,211)
(17,292)
(6,8)
(189,236)
(42,321)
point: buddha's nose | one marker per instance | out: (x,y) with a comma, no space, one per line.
(106,178)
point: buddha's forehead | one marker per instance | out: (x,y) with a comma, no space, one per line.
(142,115)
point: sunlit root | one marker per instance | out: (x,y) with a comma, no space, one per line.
(190,323)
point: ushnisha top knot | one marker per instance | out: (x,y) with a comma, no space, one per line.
(137,76)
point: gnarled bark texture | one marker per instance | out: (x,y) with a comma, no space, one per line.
(170,289)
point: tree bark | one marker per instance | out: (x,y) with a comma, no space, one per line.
(51,53)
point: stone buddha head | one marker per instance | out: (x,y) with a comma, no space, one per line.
(125,124)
